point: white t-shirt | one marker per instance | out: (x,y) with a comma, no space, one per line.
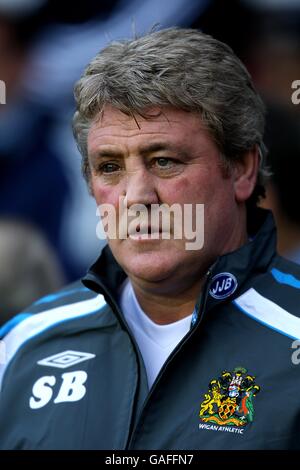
(156,342)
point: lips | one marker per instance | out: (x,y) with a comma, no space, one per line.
(144,229)
(144,232)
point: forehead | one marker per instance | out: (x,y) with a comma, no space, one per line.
(164,123)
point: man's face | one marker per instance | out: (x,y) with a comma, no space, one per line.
(167,159)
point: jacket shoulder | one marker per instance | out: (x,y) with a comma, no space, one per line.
(281,285)
(272,298)
(72,293)
(289,269)
(56,310)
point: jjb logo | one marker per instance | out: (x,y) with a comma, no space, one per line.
(223,285)
(71,389)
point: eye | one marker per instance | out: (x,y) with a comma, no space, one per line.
(166,167)
(164,162)
(109,168)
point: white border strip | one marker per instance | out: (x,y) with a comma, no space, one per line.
(39,322)
(268,313)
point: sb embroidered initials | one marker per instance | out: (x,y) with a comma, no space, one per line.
(71,389)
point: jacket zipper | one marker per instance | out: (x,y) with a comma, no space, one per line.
(174,353)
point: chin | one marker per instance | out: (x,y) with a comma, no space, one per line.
(151,268)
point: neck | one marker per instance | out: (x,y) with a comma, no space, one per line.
(164,308)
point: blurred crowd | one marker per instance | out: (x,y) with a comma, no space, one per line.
(47,218)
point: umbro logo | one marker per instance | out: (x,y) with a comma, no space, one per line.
(66,359)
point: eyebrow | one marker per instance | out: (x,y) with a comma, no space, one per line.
(144,151)
(95,155)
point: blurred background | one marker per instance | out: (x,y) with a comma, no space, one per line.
(47,219)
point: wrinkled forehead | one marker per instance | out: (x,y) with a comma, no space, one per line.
(162,122)
(154,114)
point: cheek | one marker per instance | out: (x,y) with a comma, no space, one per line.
(186,189)
(174,190)
(105,194)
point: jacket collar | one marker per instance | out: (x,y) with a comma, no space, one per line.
(246,262)
(253,257)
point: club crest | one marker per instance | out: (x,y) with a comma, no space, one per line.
(229,401)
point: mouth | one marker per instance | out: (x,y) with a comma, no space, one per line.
(145,233)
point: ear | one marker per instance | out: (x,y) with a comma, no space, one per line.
(245,174)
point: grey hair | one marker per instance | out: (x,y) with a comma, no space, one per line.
(184,68)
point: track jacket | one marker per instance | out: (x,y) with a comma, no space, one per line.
(73,377)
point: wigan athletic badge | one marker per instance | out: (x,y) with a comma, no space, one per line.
(229,401)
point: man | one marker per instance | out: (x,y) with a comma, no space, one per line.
(166,347)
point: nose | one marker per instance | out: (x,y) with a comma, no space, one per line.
(140,188)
